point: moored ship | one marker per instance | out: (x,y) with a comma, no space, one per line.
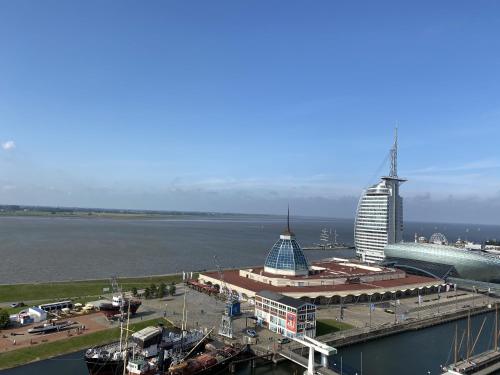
(215,357)
(113,308)
(147,344)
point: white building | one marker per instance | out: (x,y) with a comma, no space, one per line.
(37,314)
(379,217)
(285,315)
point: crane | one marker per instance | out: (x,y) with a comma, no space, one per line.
(226,325)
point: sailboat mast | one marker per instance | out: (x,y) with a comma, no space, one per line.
(183,323)
(456,343)
(126,341)
(468,335)
(496,327)
(121,322)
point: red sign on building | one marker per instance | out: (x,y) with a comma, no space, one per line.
(291,322)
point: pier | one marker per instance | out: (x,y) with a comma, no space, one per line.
(293,354)
(358,335)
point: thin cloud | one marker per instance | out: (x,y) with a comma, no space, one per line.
(8,145)
(470,166)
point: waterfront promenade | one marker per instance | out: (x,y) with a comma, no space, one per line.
(204,311)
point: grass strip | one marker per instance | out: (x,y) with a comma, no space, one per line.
(65,346)
(75,289)
(326,326)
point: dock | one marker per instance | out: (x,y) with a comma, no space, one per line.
(359,335)
(291,353)
(302,361)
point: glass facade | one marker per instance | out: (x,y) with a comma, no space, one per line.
(286,255)
(469,264)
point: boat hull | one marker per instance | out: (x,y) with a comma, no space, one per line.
(98,366)
(109,310)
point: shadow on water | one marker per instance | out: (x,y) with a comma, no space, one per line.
(74,364)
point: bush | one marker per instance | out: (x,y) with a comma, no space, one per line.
(4,318)
(171,289)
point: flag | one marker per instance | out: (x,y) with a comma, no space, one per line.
(447,287)
(183,276)
(419,299)
(455,287)
(372,307)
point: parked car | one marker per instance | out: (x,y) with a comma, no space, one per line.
(251,333)
(284,340)
(16,304)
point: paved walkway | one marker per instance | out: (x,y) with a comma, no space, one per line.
(12,339)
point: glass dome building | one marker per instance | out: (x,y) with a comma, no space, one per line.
(286,256)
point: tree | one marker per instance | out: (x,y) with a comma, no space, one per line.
(147,293)
(154,290)
(171,289)
(4,318)
(134,291)
(162,290)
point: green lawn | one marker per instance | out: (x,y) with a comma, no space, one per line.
(325,326)
(74,289)
(47,350)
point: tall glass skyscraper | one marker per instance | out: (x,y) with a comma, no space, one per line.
(379,217)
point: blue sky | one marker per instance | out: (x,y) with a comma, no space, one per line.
(244,106)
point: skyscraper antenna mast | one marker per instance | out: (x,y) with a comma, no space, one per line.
(394,155)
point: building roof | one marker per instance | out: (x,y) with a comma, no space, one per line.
(37,309)
(147,333)
(233,277)
(285,300)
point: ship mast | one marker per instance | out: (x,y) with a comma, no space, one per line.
(126,341)
(183,322)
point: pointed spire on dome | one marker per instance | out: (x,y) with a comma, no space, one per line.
(287,231)
(288,219)
(286,256)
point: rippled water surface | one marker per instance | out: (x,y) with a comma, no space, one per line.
(43,249)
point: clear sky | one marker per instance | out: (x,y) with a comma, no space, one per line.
(245,106)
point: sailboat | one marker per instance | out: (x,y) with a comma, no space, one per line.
(485,362)
(328,240)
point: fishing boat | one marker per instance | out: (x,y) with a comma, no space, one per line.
(112,308)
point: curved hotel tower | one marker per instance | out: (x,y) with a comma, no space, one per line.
(379,217)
